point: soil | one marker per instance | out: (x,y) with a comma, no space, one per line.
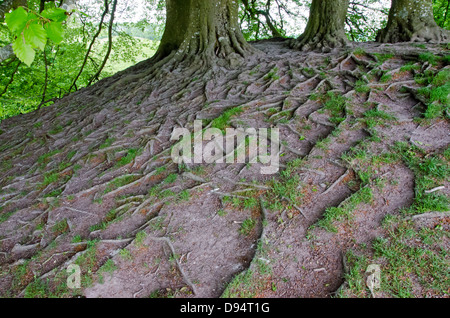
(56,209)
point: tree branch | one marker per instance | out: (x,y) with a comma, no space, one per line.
(110,40)
(10,80)
(74,84)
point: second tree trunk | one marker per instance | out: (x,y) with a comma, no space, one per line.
(326,26)
(203,28)
(412,21)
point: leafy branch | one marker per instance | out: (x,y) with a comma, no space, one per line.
(31,30)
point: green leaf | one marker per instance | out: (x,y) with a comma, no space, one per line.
(24,51)
(55,32)
(17,20)
(32,16)
(36,36)
(55,14)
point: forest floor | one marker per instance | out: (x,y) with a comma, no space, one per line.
(364,181)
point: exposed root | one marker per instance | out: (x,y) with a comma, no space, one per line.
(429,215)
(180,268)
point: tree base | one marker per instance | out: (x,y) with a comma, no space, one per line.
(412,21)
(433,34)
(323,42)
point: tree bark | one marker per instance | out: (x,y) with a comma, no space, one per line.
(326,26)
(209,29)
(7,5)
(6,52)
(412,21)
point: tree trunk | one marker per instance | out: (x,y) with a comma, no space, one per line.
(412,21)
(203,28)
(326,26)
(6,52)
(7,5)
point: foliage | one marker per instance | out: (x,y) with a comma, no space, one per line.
(365,18)
(25,88)
(442,13)
(267,19)
(31,30)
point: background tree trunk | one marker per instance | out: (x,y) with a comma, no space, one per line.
(326,26)
(5,6)
(6,52)
(412,21)
(207,28)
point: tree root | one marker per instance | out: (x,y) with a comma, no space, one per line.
(180,268)
(429,215)
(296,207)
(324,43)
(338,181)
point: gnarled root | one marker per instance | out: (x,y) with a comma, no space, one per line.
(323,42)
(430,34)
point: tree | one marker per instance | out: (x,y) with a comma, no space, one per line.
(206,28)
(326,26)
(412,21)
(6,51)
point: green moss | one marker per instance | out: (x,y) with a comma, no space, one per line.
(44,159)
(383,57)
(376,117)
(128,158)
(119,182)
(108,268)
(410,67)
(222,122)
(272,75)
(71,154)
(430,171)
(60,227)
(429,57)
(385,78)
(5,216)
(336,105)
(439,95)
(107,143)
(56,130)
(50,177)
(409,260)
(361,87)
(171,178)
(359,51)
